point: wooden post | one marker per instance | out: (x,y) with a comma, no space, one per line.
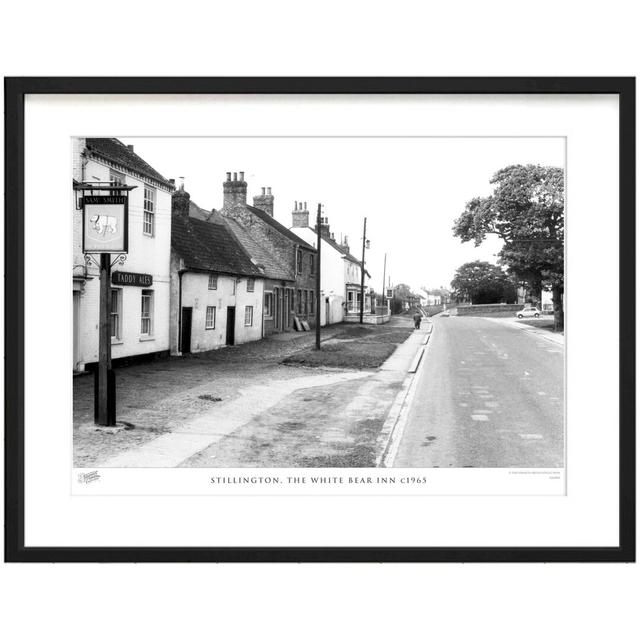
(364,240)
(384,276)
(318,280)
(105,383)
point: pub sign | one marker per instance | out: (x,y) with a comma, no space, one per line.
(126,278)
(105,224)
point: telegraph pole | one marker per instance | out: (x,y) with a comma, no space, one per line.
(384,276)
(364,240)
(318,281)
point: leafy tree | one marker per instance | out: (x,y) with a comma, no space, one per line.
(526,210)
(483,283)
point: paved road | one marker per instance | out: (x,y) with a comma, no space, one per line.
(489,394)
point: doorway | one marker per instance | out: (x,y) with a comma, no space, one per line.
(185,339)
(231,325)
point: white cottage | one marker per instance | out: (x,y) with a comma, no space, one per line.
(340,272)
(217,290)
(140,286)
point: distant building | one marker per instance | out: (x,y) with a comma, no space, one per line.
(216,288)
(139,305)
(289,262)
(340,271)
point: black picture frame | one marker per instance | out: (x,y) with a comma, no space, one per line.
(15,91)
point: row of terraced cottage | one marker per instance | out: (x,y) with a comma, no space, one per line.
(197,279)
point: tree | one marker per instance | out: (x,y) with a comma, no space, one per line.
(483,283)
(526,210)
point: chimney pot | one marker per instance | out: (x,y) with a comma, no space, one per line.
(235,176)
(172,181)
(242,176)
(228,176)
(305,206)
(263,190)
(130,147)
(268,191)
(295,206)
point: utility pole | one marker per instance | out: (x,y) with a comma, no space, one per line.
(364,240)
(318,281)
(384,276)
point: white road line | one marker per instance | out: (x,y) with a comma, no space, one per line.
(479,417)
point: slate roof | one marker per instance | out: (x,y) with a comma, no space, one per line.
(260,254)
(114,150)
(345,254)
(265,217)
(210,246)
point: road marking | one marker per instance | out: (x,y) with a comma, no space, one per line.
(530,436)
(479,417)
(541,393)
(464,404)
(491,404)
(483,411)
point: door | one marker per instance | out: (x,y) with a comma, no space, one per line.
(185,340)
(327,312)
(231,325)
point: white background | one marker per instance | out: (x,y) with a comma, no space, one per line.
(490,38)
(587,516)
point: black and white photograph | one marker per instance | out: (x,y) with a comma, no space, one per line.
(318,302)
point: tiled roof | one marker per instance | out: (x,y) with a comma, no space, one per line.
(260,254)
(210,246)
(114,150)
(339,248)
(265,217)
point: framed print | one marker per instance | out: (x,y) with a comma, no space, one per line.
(320,319)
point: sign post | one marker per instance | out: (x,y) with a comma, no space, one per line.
(105,230)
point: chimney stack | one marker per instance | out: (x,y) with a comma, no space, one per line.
(264,201)
(235,191)
(180,201)
(345,244)
(300,216)
(324,228)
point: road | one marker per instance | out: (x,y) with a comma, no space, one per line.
(488,394)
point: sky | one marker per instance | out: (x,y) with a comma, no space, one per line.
(411,190)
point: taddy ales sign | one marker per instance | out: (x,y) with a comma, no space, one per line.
(131,279)
(104,224)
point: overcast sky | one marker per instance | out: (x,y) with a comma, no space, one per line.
(410,189)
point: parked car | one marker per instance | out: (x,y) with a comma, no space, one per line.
(528,312)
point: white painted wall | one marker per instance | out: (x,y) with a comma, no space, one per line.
(196,294)
(147,254)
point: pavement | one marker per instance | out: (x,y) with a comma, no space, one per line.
(489,393)
(243,409)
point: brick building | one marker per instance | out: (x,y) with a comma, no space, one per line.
(140,304)
(340,271)
(289,261)
(216,289)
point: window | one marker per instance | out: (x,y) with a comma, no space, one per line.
(268,305)
(210,321)
(116,313)
(312,263)
(148,222)
(248,316)
(251,283)
(116,178)
(146,313)
(306,301)
(213,281)
(299,261)
(312,300)
(299,301)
